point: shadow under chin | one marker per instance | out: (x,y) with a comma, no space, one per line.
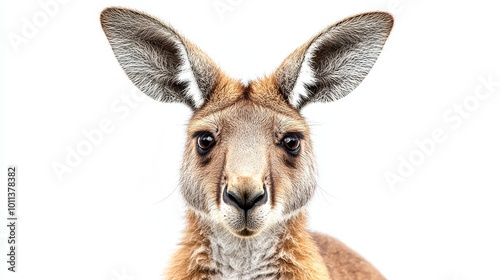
(246,233)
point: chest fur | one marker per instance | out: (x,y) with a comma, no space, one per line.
(209,252)
(251,258)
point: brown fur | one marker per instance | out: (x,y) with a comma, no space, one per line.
(304,255)
(189,263)
(299,256)
(342,262)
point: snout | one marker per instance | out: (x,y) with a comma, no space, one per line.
(245,200)
(245,205)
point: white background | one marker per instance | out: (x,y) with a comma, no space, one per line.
(102,220)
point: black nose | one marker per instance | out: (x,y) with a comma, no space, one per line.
(245,200)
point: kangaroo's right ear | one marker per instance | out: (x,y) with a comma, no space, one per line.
(157,59)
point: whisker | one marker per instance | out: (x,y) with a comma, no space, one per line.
(323,192)
(165,198)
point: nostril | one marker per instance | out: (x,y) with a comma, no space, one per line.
(246,201)
(232,198)
(258,199)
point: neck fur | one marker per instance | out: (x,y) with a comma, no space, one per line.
(209,251)
(245,258)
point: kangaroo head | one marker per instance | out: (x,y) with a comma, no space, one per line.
(248,162)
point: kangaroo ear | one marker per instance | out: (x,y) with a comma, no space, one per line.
(334,62)
(157,59)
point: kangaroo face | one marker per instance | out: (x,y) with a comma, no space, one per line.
(248,166)
(248,162)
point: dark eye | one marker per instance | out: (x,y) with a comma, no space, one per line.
(205,142)
(291,143)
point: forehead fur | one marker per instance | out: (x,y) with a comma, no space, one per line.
(261,93)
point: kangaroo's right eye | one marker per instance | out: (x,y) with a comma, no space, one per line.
(205,142)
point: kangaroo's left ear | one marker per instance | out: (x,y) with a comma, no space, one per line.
(334,62)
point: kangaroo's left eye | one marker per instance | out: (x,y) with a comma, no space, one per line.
(291,143)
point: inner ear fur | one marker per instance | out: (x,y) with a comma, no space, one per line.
(158,60)
(335,61)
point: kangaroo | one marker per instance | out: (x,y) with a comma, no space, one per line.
(249,171)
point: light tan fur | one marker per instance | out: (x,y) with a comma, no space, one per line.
(303,255)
